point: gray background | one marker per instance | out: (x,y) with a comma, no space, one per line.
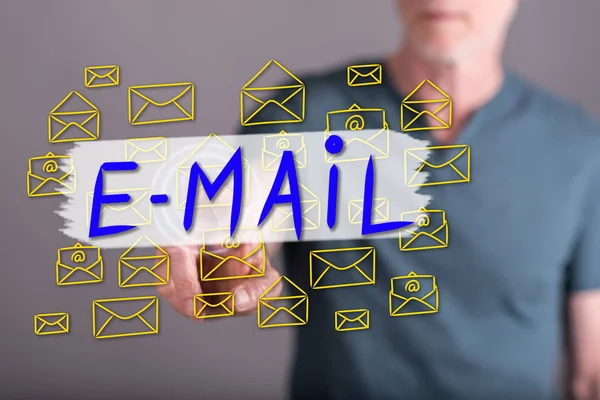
(218,45)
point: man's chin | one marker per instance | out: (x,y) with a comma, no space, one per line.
(445,52)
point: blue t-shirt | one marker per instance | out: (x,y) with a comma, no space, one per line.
(522,235)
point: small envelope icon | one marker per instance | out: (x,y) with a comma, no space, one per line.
(352,320)
(293,306)
(432,231)
(381,210)
(148,268)
(109,321)
(138,212)
(213,305)
(45,177)
(358,268)
(78,265)
(101,76)
(83,119)
(213,264)
(412,119)
(282,218)
(51,324)
(364,75)
(413,295)
(275,145)
(173,108)
(262,98)
(456,160)
(146,150)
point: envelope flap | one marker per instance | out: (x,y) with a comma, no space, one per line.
(146,145)
(105,305)
(96,71)
(212,139)
(85,104)
(211,300)
(414,96)
(60,319)
(323,255)
(185,88)
(275,64)
(365,70)
(152,248)
(454,152)
(295,290)
(353,316)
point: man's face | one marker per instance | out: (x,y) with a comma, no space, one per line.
(452,29)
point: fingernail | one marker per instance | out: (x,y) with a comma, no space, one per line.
(242,299)
(189,308)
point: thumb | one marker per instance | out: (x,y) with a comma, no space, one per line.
(246,294)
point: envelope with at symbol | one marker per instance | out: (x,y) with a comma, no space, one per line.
(431,232)
(352,320)
(126,316)
(290,309)
(74,119)
(455,163)
(101,76)
(144,265)
(413,295)
(282,219)
(381,210)
(138,212)
(159,104)
(50,175)
(345,267)
(364,75)
(146,150)
(51,323)
(214,305)
(78,265)
(275,145)
(414,119)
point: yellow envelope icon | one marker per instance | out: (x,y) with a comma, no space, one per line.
(293,306)
(432,232)
(358,267)
(411,119)
(352,320)
(261,97)
(211,146)
(83,119)
(78,265)
(213,305)
(381,210)
(146,150)
(108,321)
(172,108)
(275,145)
(51,324)
(282,219)
(150,267)
(138,212)
(413,295)
(214,262)
(45,177)
(361,143)
(455,161)
(364,75)
(101,76)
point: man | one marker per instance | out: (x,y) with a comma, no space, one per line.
(524,235)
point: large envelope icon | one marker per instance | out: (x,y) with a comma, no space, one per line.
(293,305)
(138,212)
(262,98)
(109,322)
(84,119)
(51,323)
(149,268)
(275,145)
(412,119)
(173,108)
(413,295)
(282,218)
(432,231)
(455,162)
(364,75)
(101,76)
(46,177)
(213,305)
(146,150)
(337,268)
(352,320)
(78,265)
(381,210)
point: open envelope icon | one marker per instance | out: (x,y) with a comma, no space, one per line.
(289,109)
(414,119)
(381,210)
(47,177)
(431,233)
(455,164)
(101,76)
(364,75)
(109,320)
(51,323)
(213,305)
(81,119)
(282,218)
(337,268)
(146,150)
(352,320)
(293,306)
(78,265)
(275,145)
(138,212)
(413,295)
(172,108)
(149,268)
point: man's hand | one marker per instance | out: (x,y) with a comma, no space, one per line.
(184,284)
